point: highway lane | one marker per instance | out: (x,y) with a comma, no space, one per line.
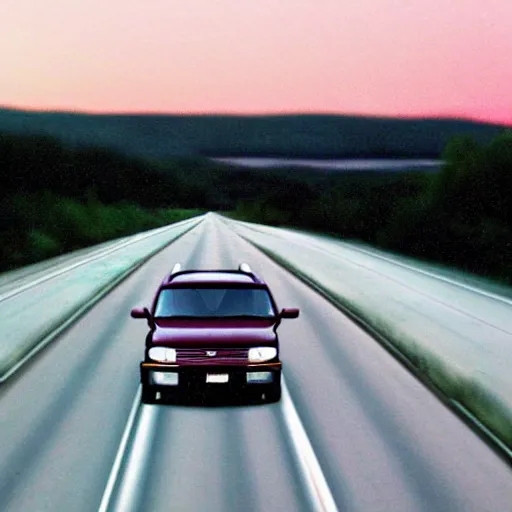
(64,415)
(382,440)
(225,458)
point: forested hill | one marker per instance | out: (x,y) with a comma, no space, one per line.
(316,136)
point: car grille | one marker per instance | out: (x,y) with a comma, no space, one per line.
(199,356)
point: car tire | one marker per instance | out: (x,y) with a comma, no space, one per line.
(148,395)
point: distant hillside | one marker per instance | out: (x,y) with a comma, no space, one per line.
(161,136)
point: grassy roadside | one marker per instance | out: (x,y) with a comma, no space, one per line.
(42,225)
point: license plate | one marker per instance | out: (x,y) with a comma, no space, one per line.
(217,378)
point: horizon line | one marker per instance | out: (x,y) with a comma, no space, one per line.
(269,113)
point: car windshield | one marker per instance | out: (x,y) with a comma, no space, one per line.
(214,302)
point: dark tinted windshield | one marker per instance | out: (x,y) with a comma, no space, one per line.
(220,302)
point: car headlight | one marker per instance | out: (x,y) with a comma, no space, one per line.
(260,354)
(162,354)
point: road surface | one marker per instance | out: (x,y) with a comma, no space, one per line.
(75,438)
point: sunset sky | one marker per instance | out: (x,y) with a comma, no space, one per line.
(381,57)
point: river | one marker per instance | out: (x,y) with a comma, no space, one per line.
(353,164)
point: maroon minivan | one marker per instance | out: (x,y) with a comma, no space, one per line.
(212,330)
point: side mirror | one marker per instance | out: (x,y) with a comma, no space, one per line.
(139,313)
(289,313)
(143,313)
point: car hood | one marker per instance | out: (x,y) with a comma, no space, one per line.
(214,334)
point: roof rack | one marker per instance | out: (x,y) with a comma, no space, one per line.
(244,267)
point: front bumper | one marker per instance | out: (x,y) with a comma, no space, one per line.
(191,377)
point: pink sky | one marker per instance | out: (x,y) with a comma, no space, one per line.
(383,57)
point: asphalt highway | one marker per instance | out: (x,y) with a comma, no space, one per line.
(74,437)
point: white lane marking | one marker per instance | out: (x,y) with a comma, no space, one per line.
(86,261)
(114,472)
(121,452)
(316,485)
(135,459)
(129,492)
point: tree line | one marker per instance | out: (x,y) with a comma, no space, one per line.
(55,199)
(460,216)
